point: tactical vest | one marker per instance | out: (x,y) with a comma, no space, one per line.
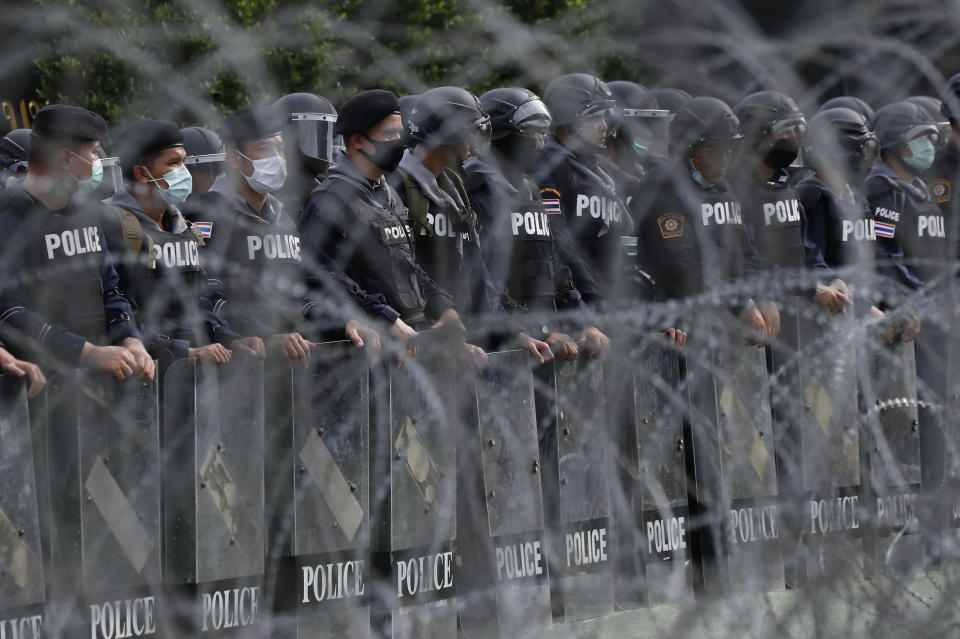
(442,236)
(774,214)
(164,269)
(392,250)
(723,236)
(531,275)
(849,225)
(921,232)
(266,273)
(597,218)
(62,264)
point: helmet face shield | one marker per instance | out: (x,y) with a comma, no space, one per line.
(478,139)
(112,179)
(647,130)
(531,118)
(870,149)
(796,125)
(315,136)
(921,130)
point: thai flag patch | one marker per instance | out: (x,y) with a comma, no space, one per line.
(882,229)
(552,206)
(205,228)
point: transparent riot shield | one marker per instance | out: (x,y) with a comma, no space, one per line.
(829,507)
(504,587)
(103,460)
(317,485)
(21,561)
(654,544)
(214,496)
(894,458)
(735,518)
(414,585)
(576,455)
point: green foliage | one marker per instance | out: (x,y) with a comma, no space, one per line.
(125,58)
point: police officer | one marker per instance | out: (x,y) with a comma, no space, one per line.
(517,241)
(773,126)
(690,227)
(589,216)
(839,149)
(254,247)
(445,124)
(642,135)
(310,143)
(910,228)
(157,250)
(356,221)
(58,295)
(205,157)
(14,149)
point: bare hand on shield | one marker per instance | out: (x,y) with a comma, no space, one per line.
(757,325)
(292,345)
(539,349)
(594,342)
(213,353)
(363,336)
(10,365)
(116,361)
(252,345)
(144,366)
(676,336)
(564,346)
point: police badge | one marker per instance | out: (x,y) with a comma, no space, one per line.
(940,189)
(671,225)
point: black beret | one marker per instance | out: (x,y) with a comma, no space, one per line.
(143,137)
(65,123)
(252,123)
(366,109)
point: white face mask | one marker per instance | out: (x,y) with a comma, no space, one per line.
(269,174)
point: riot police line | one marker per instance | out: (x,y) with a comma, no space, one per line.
(547,450)
(355,498)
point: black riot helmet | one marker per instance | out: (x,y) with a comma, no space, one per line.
(515,111)
(671,99)
(14,150)
(898,123)
(309,128)
(840,138)
(768,113)
(849,102)
(643,127)
(950,103)
(703,120)
(934,109)
(407,103)
(772,127)
(578,95)
(449,116)
(206,156)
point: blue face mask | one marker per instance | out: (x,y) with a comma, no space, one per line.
(179,185)
(640,147)
(924,152)
(88,186)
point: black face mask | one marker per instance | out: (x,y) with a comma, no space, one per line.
(386,155)
(857,167)
(520,151)
(782,153)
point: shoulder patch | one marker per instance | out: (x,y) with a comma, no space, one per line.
(670,225)
(550,197)
(940,190)
(204,228)
(549,192)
